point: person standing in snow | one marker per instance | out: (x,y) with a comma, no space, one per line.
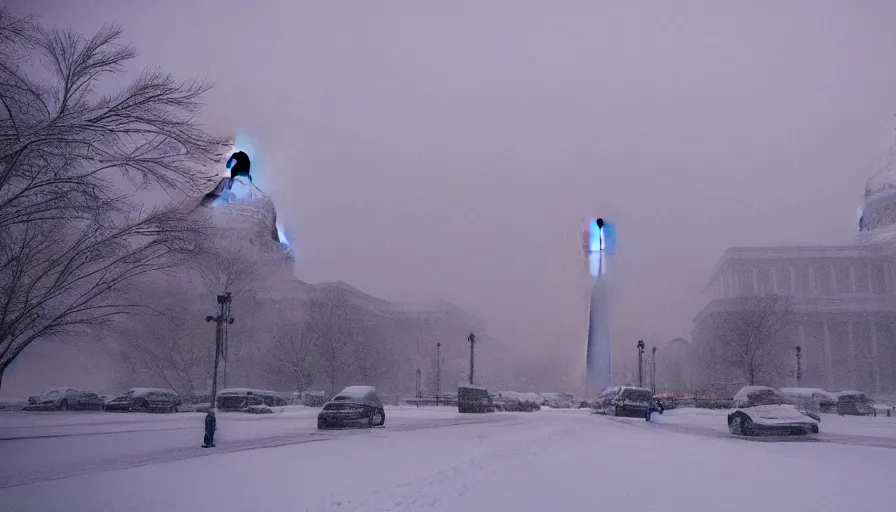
(209,429)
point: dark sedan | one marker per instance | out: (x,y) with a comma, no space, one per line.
(354,406)
(145,400)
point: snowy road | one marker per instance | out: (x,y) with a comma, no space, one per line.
(435,460)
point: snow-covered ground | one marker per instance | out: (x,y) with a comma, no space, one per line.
(436,459)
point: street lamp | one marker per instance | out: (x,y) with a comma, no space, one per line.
(640,364)
(799,367)
(417,394)
(653,370)
(222,319)
(438,372)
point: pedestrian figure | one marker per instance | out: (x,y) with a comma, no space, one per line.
(209,430)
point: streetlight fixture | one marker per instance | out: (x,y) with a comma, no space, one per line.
(640,364)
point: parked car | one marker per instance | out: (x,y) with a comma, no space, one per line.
(256,401)
(625,401)
(474,399)
(66,399)
(854,403)
(354,406)
(513,404)
(811,399)
(760,410)
(145,400)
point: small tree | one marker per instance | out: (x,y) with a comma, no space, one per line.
(168,341)
(292,350)
(331,323)
(747,332)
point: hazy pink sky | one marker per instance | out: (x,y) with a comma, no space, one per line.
(422,149)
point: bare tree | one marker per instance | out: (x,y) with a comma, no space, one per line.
(174,355)
(292,350)
(70,232)
(372,354)
(331,323)
(746,333)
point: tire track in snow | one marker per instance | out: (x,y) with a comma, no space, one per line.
(223,447)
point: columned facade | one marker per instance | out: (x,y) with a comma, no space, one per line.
(844,309)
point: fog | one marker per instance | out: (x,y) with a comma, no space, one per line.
(418,151)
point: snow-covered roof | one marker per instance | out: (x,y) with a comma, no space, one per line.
(746,391)
(472,386)
(357,391)
(245,391)
(146,391)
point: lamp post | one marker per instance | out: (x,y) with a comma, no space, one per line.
(653,370)
(799,367)
(417,391)
(640,363)
(438,372)
(222,320)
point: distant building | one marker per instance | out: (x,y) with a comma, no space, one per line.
(845,301)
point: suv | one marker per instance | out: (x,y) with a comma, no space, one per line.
(625,401)
(474,399)
(354,406)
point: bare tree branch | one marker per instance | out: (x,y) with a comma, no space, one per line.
(72,235)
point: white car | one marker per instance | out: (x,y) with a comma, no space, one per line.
(761,410)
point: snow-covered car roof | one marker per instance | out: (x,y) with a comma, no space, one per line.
(246,391)
(146,391)
(528,397)
(357,392)
(746,391)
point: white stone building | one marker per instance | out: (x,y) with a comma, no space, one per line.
(845,301)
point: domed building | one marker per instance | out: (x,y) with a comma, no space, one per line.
(844,312)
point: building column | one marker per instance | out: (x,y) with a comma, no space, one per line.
(852,278)
(792,271)
(852,354)
(829,367)
(775,280)
(755,280)
(875,362)
(801,330)
(811,290)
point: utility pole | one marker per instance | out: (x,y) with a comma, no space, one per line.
(653,370)
(417,394)
(799,367)
(222,320)
(640,363)
(472,339)
(438,372)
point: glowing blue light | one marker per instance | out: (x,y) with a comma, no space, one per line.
(601,241)
(282,236)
